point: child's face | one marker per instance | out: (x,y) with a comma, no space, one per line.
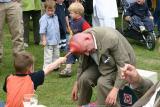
(59,1)
(50,12)
(74,15)
(140,1)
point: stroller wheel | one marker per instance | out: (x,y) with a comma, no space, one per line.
(150,41)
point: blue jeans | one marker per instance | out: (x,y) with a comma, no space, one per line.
(147,22)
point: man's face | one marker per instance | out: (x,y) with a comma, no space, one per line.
(50,12)
(140,1)
(82,43)
(87,47)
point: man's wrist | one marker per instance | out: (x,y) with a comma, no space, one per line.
(137,81)
(115,89)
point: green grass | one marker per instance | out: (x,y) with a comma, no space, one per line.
(56,92)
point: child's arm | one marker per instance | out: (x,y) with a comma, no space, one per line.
(67,22)
(54,65)
(44,41)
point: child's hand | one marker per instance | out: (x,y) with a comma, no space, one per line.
(44,42)
(62,60)
(54,65)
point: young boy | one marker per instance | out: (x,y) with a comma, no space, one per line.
(77,24)
(25,80)
(140,16)
(62,13)
(50,34)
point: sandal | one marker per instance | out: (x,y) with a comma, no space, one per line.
(66,72)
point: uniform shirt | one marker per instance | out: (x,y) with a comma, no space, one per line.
(139,10)
(50,27)
(4,1)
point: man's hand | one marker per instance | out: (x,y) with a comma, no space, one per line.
(75,92)
(112,97)
(129,73)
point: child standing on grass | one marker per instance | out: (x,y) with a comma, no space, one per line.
(77,24)
(25,80)
(50,34)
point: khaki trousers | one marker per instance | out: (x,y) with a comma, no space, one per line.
(90,78)
(12,13)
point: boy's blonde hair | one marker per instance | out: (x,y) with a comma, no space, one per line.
(77,8)
(23,61)
(50,4)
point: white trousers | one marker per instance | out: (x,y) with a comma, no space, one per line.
(102,22)
(51,53)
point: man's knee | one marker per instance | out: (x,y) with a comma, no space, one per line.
(83,80)
(103,83)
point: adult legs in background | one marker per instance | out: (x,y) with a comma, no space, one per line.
(15,22)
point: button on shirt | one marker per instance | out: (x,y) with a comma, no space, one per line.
(50,27)
(4,1)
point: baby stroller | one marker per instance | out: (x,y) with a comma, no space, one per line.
(128,29)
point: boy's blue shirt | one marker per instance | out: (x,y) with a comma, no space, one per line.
(49,26)
(4,1)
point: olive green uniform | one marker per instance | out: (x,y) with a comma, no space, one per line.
(113,51)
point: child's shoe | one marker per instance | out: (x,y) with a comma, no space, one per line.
(142,28)
(67,72)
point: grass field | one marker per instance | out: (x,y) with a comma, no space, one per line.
(56,92)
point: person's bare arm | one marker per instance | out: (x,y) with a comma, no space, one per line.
(54,65)
(129,73)
(44,41)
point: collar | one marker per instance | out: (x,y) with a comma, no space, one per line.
(95,43)
(21,74)
(50,16)
(78,18)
